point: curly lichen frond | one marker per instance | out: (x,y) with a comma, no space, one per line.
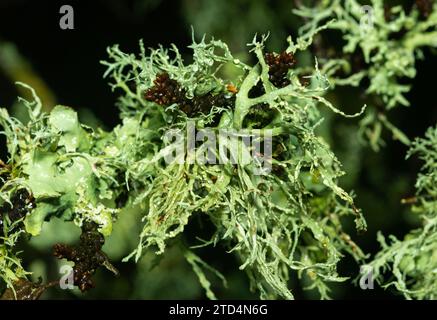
(282,222)
(11,269)
(56,167)
(256,168)
(413,260)
(381,44)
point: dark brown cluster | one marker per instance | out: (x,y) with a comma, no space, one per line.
(279,64)
(167,91)
(22,202)
(87,256)
(425,7)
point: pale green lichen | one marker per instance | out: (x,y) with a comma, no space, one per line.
(413,260)
(389,38)
(59,163)
(275,224)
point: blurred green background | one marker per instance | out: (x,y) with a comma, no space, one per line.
(63,66)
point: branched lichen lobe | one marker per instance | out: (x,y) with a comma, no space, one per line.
(425,7)
(279,64)
(165,91)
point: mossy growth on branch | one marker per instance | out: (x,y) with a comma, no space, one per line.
(287,221)
(380,45)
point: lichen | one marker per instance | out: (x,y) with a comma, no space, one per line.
(412,260)
(287,221)
(381,44)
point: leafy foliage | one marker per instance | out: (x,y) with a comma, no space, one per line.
(62,166)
